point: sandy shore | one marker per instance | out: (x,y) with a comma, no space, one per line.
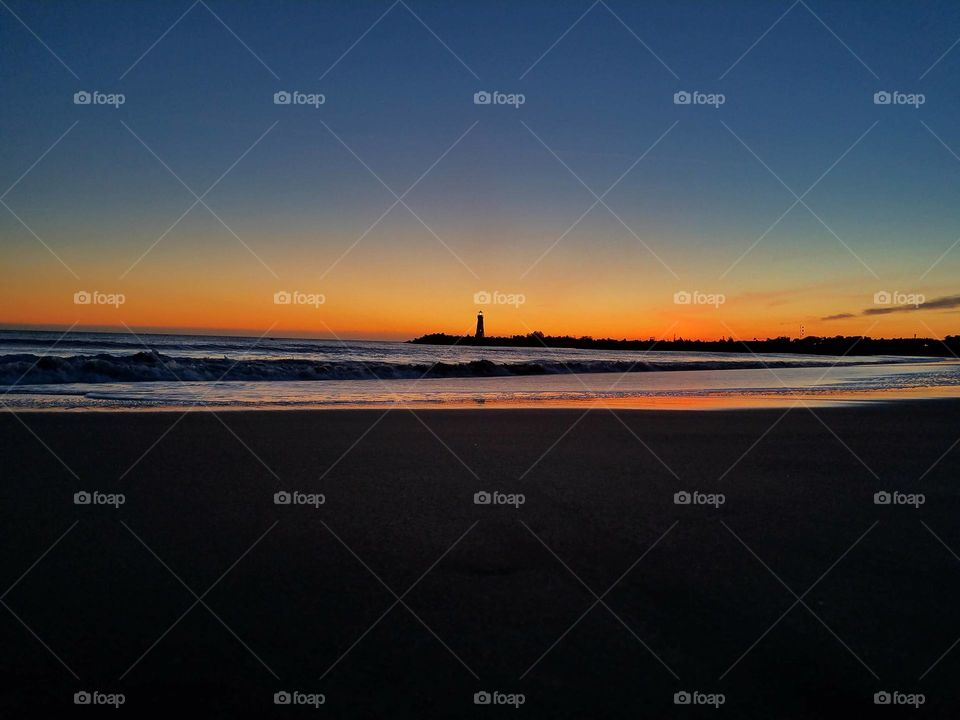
(501,596)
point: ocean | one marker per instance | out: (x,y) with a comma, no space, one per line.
(87,370)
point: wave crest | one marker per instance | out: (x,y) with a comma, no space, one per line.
(151,366)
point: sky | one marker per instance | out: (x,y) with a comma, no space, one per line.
(599,206)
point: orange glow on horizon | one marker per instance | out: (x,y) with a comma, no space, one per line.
(379,302)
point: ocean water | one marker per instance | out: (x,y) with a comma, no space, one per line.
(80,370)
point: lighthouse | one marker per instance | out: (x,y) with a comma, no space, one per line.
(479,333)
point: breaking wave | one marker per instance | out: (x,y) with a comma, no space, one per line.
(29,369)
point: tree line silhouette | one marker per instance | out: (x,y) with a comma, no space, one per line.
(811,345)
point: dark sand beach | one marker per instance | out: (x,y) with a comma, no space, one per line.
(492,598)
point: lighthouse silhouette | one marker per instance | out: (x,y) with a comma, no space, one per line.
(479,333)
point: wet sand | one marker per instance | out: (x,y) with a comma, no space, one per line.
(500,597)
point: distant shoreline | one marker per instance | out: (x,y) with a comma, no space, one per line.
(839,345)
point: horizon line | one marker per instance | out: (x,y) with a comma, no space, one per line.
(313,335)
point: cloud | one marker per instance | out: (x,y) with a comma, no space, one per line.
(946,302)
(888,310)
(942,303)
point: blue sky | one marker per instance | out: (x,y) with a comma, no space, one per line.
(598,81)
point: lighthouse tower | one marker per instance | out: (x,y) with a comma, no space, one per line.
(479,324)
